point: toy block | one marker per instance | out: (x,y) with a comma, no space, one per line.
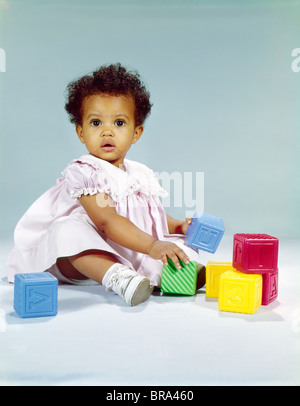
(205,232)
(255,253)
(214,269)
(270,287)
(239,292)
(179,281)
(35,294)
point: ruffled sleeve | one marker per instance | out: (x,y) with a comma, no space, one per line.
(83,179)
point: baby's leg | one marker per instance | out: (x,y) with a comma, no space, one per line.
(103,268)
(92,264)
(201,279)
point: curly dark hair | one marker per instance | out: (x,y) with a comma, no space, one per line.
(114,80)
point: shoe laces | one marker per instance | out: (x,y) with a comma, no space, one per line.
(121,278)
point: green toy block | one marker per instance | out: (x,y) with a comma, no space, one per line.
(179,281)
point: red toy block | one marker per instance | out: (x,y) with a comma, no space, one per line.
(255,253)
(270,287)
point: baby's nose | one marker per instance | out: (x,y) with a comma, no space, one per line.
(107,132)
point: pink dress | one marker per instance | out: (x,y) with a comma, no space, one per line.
(56,225)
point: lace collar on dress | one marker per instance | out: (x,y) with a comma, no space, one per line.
(122,183)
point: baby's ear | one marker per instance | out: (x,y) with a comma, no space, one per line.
(137,133)
(80,133)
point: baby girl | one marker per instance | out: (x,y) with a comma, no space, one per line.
(103,221)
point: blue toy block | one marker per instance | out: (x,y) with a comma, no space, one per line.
(205,232)
(35,294)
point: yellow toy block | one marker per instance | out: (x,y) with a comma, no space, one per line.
(240,292)
(214,269)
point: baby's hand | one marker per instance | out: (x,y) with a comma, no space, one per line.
(164,250)
(185,225)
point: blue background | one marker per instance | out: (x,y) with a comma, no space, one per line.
(226,101)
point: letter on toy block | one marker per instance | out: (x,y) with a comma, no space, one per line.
(205,232)
(270,287)
(239,292)
(255,253)
(214,269)
(35,294)
(179,281)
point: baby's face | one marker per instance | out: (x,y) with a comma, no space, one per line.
(108,127)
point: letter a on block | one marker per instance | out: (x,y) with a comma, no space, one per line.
(36,299)
(273,286)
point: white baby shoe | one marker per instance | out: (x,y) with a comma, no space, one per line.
(128,284)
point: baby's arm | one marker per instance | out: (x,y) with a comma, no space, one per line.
(178,226)
(119,229)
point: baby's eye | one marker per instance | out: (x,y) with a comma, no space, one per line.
(119,123)
(96,123)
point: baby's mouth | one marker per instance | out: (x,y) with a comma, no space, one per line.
(108,147)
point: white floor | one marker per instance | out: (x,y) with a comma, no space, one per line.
(96,339)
